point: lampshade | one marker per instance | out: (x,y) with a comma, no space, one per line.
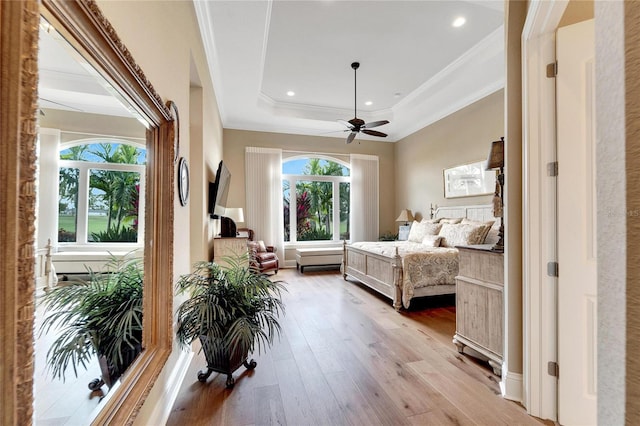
(496,155)
(405,216)
(234,213)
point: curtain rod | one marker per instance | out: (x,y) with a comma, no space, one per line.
(317,153)
(101,136)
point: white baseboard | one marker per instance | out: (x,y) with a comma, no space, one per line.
(511,386)
(163,406)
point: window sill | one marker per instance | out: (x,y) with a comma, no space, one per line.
(74,262)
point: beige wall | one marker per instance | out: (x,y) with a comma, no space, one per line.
(516,13)
(167,48)
(84,125)
(462,137)
(166,56)
(235,142)
(577,11)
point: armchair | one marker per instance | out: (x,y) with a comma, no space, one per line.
(261,257)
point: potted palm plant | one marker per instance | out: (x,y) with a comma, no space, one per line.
(231,309)
(101,316)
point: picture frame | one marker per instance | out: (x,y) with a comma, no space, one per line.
(469,180)
(403,232)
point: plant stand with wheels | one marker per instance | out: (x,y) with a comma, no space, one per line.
(204,375)
(221,361)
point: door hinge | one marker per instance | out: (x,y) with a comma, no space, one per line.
(552,168)
(552,269)
(553,369)
(552,70)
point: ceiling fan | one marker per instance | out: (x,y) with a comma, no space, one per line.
(356,125)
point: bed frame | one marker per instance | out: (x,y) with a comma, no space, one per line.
(46,277)
(384,273)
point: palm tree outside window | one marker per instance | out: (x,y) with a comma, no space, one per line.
(318,209)
(101,193)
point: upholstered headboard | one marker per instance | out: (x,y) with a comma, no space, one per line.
(480,213)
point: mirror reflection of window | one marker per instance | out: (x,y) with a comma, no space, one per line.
(112,194)
(91,193)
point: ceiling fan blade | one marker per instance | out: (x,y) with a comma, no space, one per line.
(351,137)
(346,124)
(375,124)
(374,133)
(334,131)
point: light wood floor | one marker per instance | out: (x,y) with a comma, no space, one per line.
(59,402)
(346,357)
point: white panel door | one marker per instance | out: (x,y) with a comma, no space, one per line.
(577,280)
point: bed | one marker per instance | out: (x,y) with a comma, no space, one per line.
(402,270)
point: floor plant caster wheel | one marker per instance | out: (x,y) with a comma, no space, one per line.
(230,381)
(250,365)
(95,384)
(204,375)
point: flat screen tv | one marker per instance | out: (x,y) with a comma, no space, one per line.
(218,192)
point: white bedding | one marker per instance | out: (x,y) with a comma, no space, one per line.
(422,266)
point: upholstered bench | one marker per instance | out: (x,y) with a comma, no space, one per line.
(325,256)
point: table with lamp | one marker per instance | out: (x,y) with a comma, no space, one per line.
(403,230)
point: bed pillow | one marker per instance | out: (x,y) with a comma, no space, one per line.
(451,220)
(434,220)
(432,240)
(459,234)
(488,224)
(493,236)
(419,230)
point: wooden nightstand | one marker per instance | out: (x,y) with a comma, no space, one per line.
(479,303)
(228,247)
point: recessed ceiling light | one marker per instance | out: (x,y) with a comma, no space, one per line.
(291,93)
(368,103)
(459,21)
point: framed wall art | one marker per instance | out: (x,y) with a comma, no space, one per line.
(469,180)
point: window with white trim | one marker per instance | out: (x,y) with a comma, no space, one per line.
(101,193)
(316,199)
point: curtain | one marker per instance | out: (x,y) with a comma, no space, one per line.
(263,180)
(364,203)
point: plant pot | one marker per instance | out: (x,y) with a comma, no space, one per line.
(111,371)
(220,360)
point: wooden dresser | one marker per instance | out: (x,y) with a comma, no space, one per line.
(480,304)
(224,247)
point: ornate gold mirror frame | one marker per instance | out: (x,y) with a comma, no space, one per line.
(84,26)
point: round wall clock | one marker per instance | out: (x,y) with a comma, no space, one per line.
(183,181)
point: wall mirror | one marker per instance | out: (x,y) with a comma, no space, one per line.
(94,41)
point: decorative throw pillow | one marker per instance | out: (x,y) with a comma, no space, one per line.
(461,234)
(432,240)
(493,236)
(261,247)
(434,220)
(451,220)
(253,247)
(419,230)
(488,224)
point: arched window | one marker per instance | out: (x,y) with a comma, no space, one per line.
(101,192)
(316,199)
